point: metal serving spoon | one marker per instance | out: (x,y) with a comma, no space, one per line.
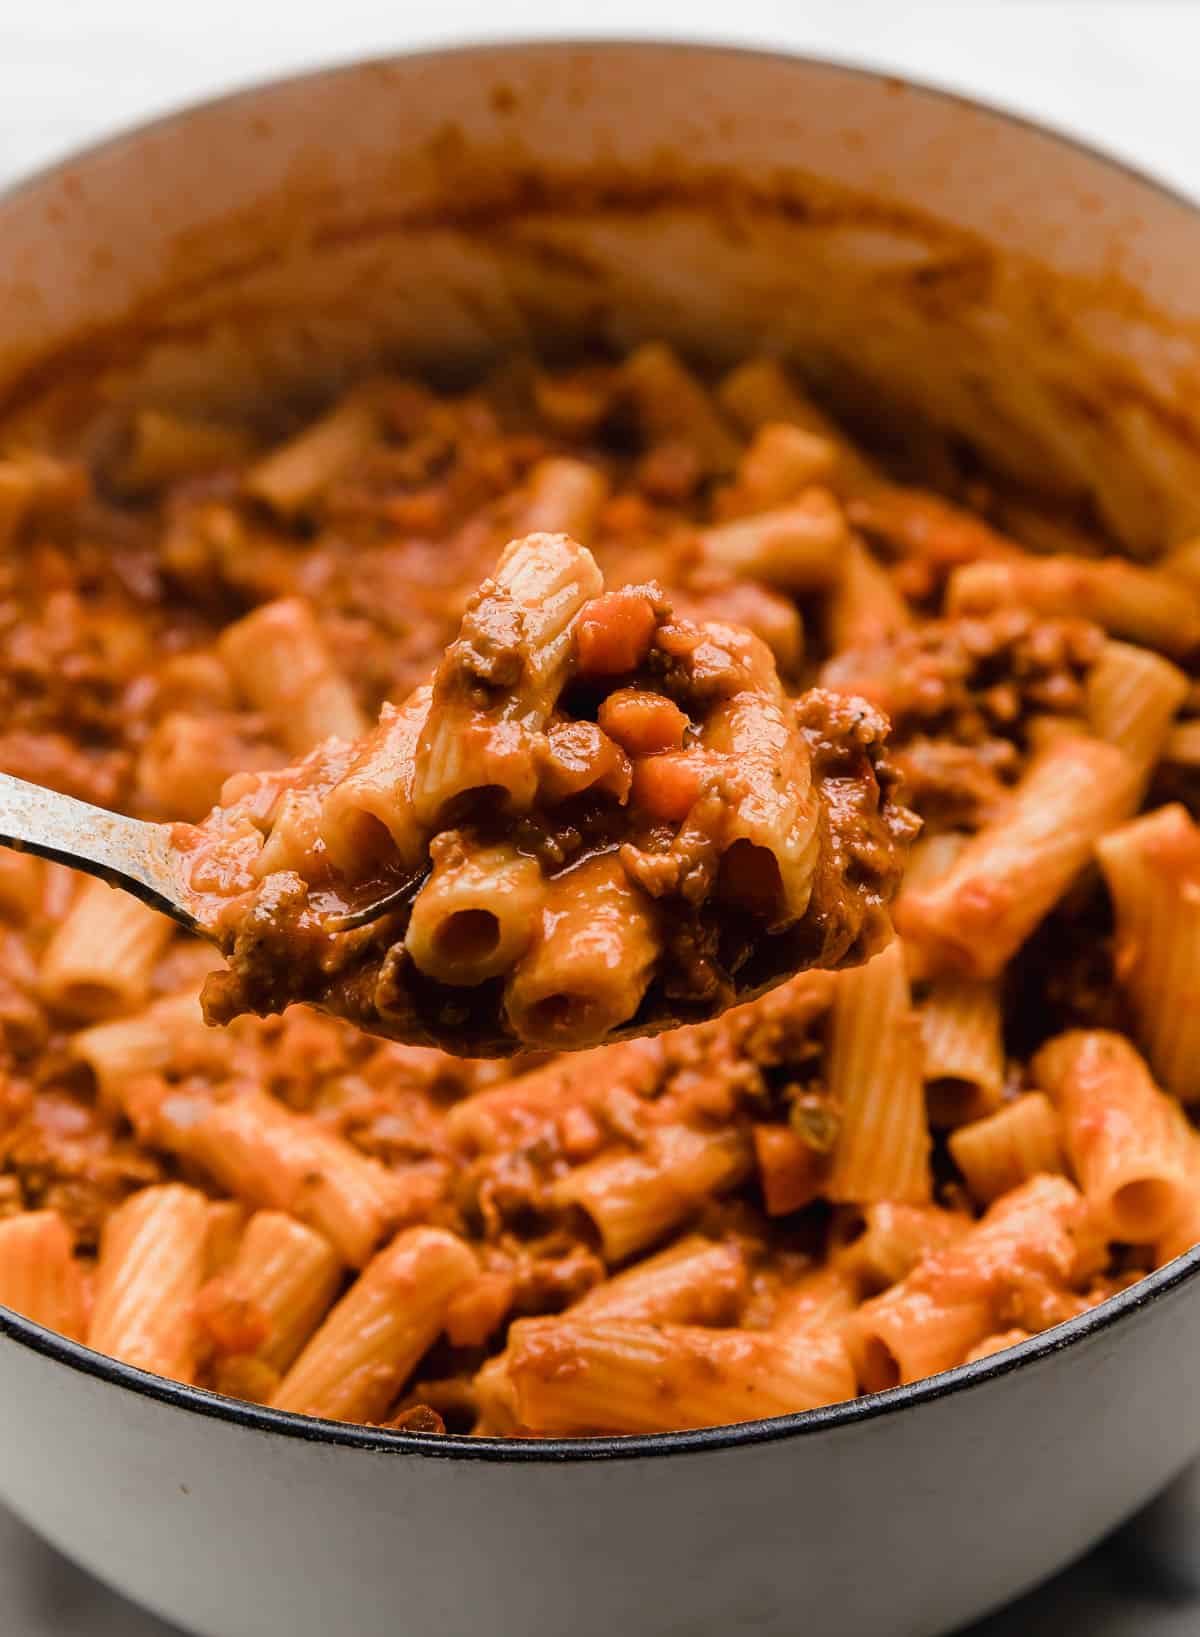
(132,854)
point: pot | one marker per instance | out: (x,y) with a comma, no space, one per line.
(924,260)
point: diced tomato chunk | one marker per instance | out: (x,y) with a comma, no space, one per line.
(642,723)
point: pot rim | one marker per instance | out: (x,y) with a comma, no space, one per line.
(852,1412)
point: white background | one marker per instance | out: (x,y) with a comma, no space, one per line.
(1125,73)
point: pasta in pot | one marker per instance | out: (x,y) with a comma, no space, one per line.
(639,776)
(625,824)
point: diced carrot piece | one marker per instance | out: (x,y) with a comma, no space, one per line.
(667,787)
(789,1169)
(614,632)
(642,723)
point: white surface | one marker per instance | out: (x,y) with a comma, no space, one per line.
(1122,73)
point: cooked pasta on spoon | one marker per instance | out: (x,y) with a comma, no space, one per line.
(599,820)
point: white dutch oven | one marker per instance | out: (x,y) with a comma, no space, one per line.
(914,253)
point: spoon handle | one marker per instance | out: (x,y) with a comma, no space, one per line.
(125,852)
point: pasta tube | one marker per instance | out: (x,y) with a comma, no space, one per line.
(223,1234)
(873,1071)
(165,448)
(515,640)
(1008,1147)
(1152,867)
(820,1300)
(169,1034)
(477,913)
(152,1263)
(770,834)
(274,1293)
(991,1345)
(1129,1144)
(570,1376)
(1140,604)
(363,1354)
(271,1157)
(977,915)
(761,391)
(564,496)
(963,1049)
(782,460)
(100,961)
(878,1245)
(39,1276)
(865,609)
(591,961)
(1132,698)
(799,548)
(695,1281)
(1019,1259)
(367,818)
(634,1199)
(511,1114)
(291,476)
(669,402)
(281,664)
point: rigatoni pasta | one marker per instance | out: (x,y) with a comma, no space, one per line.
(563,497)
(975,918)
(1129,1144)
(1152,868)
(1022,1258)
(962,1048)
(167,1033)
(694,1281)
(595,807)
(151,1266)
(1002,1150)
(259,1150)
(258,1311)
(364,1352)
(39,1275)
(634,1199)
(1128,601)
(100,960)
(1132,698)
(875,1074)
(797,548)
(580,853)
(575,1375)
(280,661)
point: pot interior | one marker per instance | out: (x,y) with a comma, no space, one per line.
(924,262)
